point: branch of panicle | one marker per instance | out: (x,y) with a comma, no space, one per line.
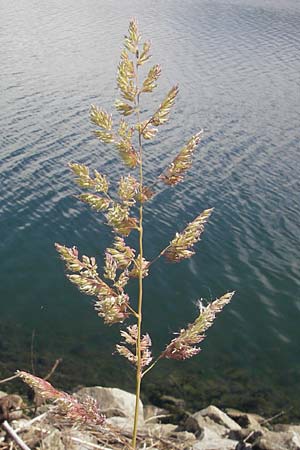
(184,346)
(82,411)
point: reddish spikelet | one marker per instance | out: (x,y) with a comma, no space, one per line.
(85,411)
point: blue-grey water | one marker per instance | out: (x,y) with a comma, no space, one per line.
(237,63)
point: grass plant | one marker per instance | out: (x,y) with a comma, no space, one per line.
(123,208)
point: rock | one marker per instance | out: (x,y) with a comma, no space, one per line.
(245,420)
(53,441)
(251,434)
(151,412)
(159,430)
(124,424)
(286,427)
(77,440)
(183,436)
(113,401)
(197,424)
(2,394)
(172,404)
(10,407)
(211,418)
(272,440)
(219,417)
(212,441)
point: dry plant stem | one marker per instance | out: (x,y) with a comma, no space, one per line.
(55,365)
(9,379)
(14,436)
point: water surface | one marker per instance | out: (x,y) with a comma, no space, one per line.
(237,63)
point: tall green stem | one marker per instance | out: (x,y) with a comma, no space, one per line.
(140,296)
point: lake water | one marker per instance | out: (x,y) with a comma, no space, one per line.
(237,63)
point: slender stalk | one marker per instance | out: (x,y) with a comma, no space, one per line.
(14,436)
(152,365)
(140,296)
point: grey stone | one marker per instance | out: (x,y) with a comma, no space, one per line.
(77,440)
(160,429)
(53,441)
(197,423)
(123,424)
(219,417)
(245,420)
(153,413)
(251,434)
(113,401)
(272,440)
(212,441)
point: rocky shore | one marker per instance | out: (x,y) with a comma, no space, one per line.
(168,428)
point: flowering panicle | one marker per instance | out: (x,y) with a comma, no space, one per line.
(128,189)
(145,55)
(134,273)
(121,262)
(126,149)
(118,218)
(183,345)
(180,246)
(162,114)
(99,183)
(150,81)
(182,162)
(82,411)
(130,338)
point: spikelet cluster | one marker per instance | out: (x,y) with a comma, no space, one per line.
(122,253)
(162,114)
(111,304)
(144,267)
(101,118)
(83,411)
(118,258)
(182,162)
(150,81)
(128,189)
(133,38)
(119,219)
(117,214)
(181,246)
(124,145)
(98,184)
(130,338)
(183,345)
